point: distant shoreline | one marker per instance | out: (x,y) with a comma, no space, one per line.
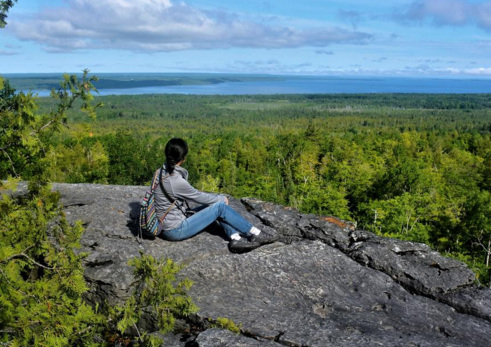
(207,84)
(43,83)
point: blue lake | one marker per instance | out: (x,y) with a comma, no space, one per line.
(317,85)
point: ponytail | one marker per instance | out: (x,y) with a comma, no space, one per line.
(175,151)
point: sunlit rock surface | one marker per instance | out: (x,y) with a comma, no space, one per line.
(324,284)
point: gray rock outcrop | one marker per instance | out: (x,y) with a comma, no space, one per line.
(323,284)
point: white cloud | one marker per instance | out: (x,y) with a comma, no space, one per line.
(422,70)
(277,67)
(442,12)
(419,68)
(482,71)
(162,26)
(484,15)
(427,70)
(447,12)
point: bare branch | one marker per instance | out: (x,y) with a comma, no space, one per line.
(26,256)
(34,132)
(11,162)
(138,331)
(479,242)
(5,276)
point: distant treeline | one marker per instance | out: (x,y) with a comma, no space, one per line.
(416,167)
(122,81)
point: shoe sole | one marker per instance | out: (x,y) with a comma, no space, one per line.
(266,242)
(243,250)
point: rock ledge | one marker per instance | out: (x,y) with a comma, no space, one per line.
(324,284)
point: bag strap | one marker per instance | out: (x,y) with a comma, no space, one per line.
(154,180)
(161,182)
(179,206)
(161,220)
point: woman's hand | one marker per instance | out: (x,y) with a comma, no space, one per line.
(226,199)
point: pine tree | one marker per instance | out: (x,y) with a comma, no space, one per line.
(41,273)
(42,279)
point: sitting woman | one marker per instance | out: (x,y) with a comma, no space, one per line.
(171,201)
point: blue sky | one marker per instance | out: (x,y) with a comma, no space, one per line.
(443,38)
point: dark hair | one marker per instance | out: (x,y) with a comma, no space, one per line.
(175,151)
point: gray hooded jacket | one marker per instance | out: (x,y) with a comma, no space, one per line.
(178,188)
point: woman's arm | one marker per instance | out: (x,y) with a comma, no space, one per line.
(184,191)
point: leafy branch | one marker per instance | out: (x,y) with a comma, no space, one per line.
(20,141)
(5,6)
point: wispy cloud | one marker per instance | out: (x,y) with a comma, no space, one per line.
(257,62)
(418,70)
(267,66)
(352,17)
(162,26)
(307,68)
(379,60)
(8,45)
(92,66)
(324,51)
(447,13)
(4,52)
(271,66)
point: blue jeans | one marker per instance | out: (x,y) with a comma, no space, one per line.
(231,221)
